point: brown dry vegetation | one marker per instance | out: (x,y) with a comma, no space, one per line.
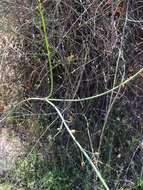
(93,46)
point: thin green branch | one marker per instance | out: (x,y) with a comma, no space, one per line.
(102,94)
(47,47)
(73,137)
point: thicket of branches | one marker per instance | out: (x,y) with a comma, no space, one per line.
(75,49)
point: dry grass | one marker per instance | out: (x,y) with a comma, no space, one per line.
(91,47)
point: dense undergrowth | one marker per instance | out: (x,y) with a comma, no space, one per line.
(72,50)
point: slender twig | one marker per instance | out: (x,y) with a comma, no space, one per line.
(47,47)
(101,94)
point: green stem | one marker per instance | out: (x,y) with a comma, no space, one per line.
(47,47)
(103,93)
(74,139)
